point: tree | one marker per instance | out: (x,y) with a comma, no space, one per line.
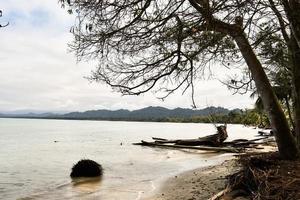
(281,84)
(289,24)
(292,9)
(1,24)
(143,45)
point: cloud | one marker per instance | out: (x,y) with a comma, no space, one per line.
(38,73)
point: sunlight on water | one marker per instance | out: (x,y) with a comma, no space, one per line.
(37,156)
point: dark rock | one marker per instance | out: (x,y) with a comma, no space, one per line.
(86,168)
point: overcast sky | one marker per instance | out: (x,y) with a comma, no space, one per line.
(38,72)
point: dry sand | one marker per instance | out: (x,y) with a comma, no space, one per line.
(197,184)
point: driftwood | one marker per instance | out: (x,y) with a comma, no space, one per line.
(234,143)
(207,148)
(210,140)
(213,142)
(264,133)
(219,194)
(244,143)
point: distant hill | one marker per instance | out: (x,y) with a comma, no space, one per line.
(144,114)
(27,115)
(148,113)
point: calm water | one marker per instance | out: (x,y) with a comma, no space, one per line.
(33,166)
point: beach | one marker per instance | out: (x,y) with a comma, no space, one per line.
(204,182)
(201,183)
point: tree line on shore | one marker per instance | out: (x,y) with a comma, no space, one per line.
(247,117)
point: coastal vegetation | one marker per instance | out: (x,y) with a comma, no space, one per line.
(217,115)
(248,117)
(265,176)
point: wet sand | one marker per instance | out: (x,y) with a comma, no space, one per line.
(197,184)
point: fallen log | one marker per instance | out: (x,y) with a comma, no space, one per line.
(243,142)
(239,143)
(213,142)
(166,141)
(156,138)
(210,140)
(217,149)
(264,133)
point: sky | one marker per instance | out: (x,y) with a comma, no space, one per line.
(39,73)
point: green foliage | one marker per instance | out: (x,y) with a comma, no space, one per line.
(249,117)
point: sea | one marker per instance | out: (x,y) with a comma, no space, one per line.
(36,157)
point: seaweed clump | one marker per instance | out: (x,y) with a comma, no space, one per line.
(266,176)
(86,168)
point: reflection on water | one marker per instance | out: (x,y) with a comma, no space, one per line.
(37,157)
(87,184)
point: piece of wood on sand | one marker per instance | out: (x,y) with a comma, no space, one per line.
(206,148)
(210,140)
(219,194)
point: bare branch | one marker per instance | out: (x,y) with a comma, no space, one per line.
(143,45)
(1,26)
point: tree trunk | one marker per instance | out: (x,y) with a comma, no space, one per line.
(286,144)
(289,112)
(295,56)
(292,10)
(295,19)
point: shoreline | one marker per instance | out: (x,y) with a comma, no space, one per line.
(203,182)
(117,120)
(200,183)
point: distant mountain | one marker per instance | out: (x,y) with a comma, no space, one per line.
(27,115)
(144,114)
(148,113)
(31,113)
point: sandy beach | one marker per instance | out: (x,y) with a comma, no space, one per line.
(200,183)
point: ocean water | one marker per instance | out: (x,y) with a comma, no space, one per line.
(36,157)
